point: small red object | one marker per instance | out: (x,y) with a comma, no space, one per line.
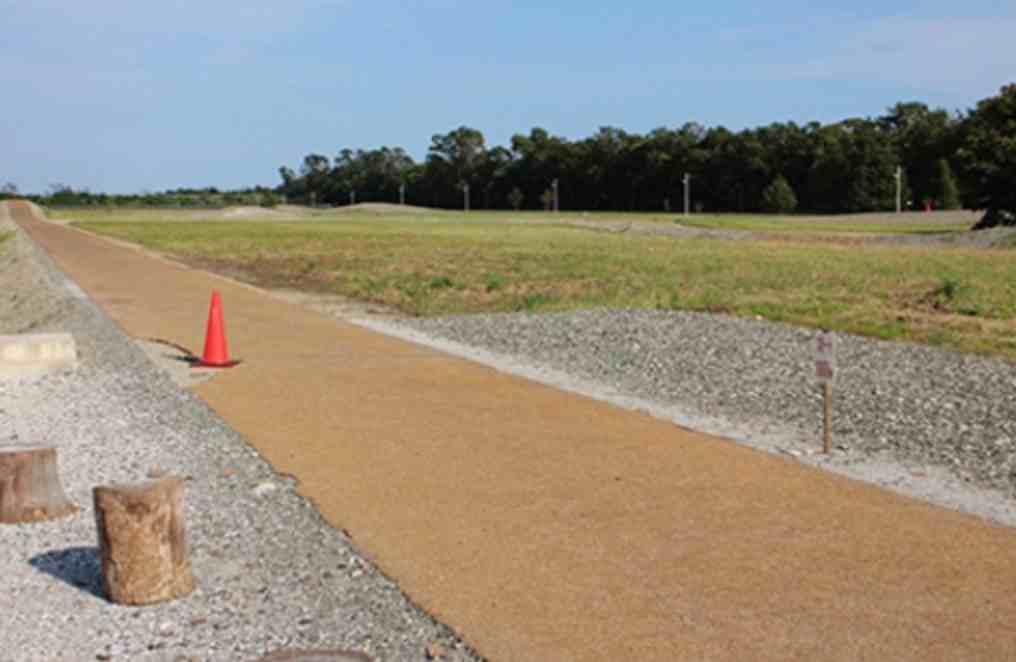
(216,353)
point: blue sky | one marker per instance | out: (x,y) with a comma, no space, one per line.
(125,96)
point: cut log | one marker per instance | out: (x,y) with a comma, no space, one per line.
(143,541)
(30,489)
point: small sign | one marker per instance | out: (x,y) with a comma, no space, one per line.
(825,356)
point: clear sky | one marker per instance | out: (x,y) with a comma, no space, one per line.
(133,95)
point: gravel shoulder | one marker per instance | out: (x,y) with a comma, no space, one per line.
(933,424)
(271,573)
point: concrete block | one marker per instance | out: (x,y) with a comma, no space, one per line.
(36,354)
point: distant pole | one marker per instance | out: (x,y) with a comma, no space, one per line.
(352,197)
(553,185)
(402,194)
(313,199)
(465,196)
(899,189)
(687,194)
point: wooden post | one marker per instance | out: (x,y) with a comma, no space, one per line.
(827,430)
(143,541)
(30,489)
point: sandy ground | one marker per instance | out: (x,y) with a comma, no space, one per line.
(546,525)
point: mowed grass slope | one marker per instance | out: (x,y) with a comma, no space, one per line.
(909,223)
(964,299)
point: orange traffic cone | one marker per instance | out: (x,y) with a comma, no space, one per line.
(216,352)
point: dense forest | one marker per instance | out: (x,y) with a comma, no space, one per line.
(940,160)
(945,161)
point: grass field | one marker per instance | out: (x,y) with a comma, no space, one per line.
(911,223)
(963,299)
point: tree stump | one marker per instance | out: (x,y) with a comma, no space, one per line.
(30,489)
(143,541)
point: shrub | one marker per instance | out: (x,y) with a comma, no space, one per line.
(779,197)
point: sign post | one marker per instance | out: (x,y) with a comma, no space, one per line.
(825,372)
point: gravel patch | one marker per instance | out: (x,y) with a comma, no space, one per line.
(931,423)
(271,573)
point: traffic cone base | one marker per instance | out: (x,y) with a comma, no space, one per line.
(201,363)
(216,354)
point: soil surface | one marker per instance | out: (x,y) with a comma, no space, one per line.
(544,525)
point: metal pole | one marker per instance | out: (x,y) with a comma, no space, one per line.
(557,207)
(687,194)
(465,191)
(402,194)
(899,189)
(352,197)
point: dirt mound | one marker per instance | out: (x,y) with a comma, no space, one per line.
(240,213)
(383,208)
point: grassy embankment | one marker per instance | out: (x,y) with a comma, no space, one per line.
(442,263)
(910,223)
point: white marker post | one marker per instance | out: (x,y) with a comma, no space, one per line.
(825,372)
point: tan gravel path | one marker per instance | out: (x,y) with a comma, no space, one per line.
(545,526)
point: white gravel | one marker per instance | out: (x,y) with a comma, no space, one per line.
(934,424)
(271,573)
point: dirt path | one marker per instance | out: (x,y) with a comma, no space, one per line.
(545,526)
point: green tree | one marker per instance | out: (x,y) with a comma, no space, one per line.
(779,197)
(988,155)
(947,193)
(516,198)
(921,136)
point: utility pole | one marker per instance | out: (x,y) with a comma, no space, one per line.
(899,189)
(402,194)
(553,185)
(465,195)
(687,194)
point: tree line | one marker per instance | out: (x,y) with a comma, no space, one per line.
(945,160)
(62,195)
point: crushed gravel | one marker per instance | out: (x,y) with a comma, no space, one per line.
(932,423)
(271,573)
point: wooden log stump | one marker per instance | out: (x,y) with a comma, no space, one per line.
(30,489)
(143,541)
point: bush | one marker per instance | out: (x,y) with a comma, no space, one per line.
(516,198)
(945,185)
(779,197)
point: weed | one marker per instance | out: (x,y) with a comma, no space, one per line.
(440,283)
(531,302)
(494,283)
(949,289)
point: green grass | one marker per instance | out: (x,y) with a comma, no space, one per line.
(855,224)
(963,299)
